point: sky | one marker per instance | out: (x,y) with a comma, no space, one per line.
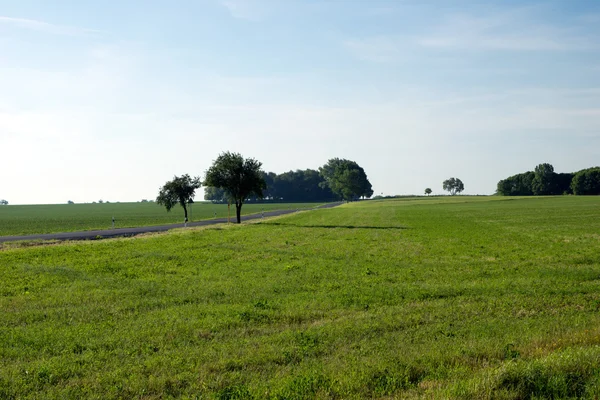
(111,99)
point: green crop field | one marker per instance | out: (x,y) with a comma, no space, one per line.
(33,219)
(467,298)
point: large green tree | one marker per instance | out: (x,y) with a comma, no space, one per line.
(544,181)
(239,177)
(587,182)
(453,185)
(180,190)
(346,179)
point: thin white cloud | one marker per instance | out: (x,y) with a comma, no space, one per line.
(516,30)
(45,27)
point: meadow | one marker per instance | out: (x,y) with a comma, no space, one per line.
(52,218)
(461,298)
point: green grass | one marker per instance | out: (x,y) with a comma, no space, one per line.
(34,219)
(471,298)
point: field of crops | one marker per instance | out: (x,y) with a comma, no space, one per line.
(487,298)
(32,219)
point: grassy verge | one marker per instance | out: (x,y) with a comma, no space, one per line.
(467,298)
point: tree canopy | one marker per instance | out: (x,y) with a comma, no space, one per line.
(542,181)
(517,185)
(180,190)
(291,186)
(453,185)
(586,182)
(3,202)
(428,191)
(346,179)
(239,177)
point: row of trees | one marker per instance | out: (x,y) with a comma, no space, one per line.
(236,179)
(543,181)
(293,186)
(339,179)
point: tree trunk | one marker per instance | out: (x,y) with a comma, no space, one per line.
(185,212)
(238,212)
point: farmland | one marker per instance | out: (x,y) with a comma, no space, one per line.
(419,298)
(33,219)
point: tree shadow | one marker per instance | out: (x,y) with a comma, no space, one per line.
(337,226)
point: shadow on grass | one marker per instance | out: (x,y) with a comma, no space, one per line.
(336,226)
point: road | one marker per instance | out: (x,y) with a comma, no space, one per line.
(108,233)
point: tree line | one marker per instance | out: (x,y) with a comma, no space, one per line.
(236,180)
(339,179)
(543,181)
(293,186)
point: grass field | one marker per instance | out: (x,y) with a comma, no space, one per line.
(32,219)
(485,298)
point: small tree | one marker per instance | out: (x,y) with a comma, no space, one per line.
(428,191)
(239,177)
(180,190)
(3,202)
(70,202)
(453,185)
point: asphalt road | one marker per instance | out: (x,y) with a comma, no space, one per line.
(108,233)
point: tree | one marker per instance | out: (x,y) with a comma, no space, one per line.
(453,185)
(346,179)
(428,191)
(586,182)
(544,181)
(180,190)
(239,177)
(3,202)
(70,202)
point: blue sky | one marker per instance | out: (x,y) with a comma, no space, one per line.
(108,100)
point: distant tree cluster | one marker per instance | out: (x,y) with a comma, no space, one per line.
(586,182)
(543,181)
(3,202)
(338,179)
(233,178)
